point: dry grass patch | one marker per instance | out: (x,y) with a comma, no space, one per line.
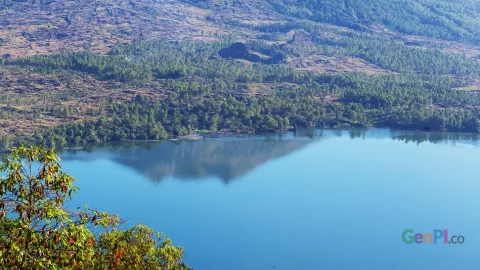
(335,64)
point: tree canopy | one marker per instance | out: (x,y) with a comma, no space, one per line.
(37,232)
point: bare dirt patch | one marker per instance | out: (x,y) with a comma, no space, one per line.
(431,43)
(474,85)
(335,64)
(28,29)
(446,46)
(30,100)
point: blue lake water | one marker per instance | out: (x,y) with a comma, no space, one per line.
(312,200)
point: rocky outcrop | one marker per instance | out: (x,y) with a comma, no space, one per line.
(240,50)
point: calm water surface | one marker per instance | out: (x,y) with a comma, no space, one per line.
(313,200)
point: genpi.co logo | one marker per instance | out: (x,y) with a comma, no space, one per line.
(437,237)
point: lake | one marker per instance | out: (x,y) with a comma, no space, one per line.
(316,199)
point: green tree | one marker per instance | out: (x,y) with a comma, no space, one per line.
(36,232)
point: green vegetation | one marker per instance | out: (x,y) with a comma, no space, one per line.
(284,64)
(282,72)
(203,92)
(444,19)
(36,232)
(395,56)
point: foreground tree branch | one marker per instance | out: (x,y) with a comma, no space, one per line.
(36,232)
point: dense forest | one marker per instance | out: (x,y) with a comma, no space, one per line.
(276,76)
(207,93)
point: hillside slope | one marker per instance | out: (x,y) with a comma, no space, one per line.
(444,19)
(48,26)
(155,68)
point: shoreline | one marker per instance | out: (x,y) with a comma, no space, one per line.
(223,134)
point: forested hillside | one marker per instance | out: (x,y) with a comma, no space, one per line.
(150,70)
(444,19)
